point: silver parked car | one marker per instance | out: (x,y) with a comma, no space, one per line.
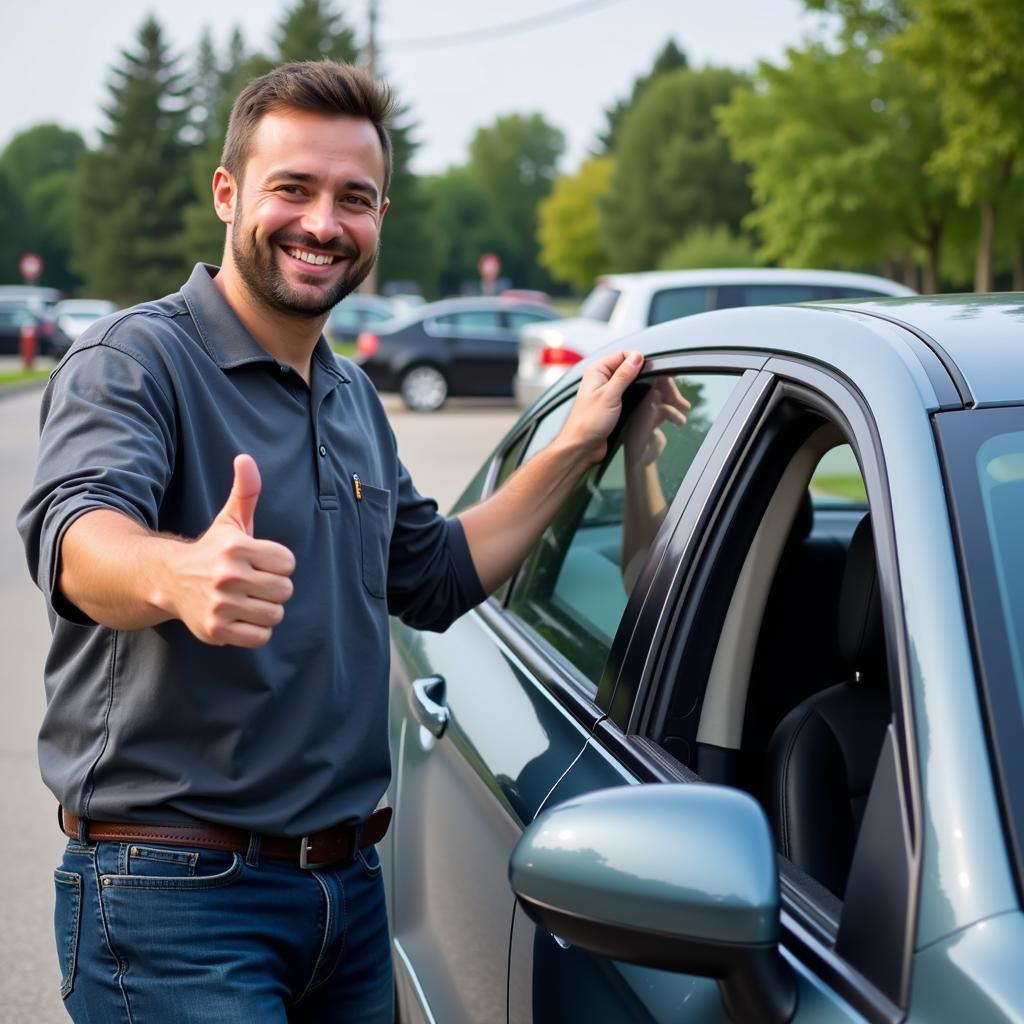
(622,304)
(743,737)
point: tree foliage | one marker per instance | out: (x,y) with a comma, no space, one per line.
(465,223)
(968,55)
(569,227)
(673,169)
(40,166)
(130,192)
(709,246)
(312,29)
(514,163)
(671,58)
(839,144)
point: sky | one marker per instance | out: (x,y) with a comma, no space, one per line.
(58,55)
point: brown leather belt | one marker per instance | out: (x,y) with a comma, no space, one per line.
(313,851)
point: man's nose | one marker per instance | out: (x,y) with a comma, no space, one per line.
(320,219)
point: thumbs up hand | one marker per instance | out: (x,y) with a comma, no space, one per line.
(231,587)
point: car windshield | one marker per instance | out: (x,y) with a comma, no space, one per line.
(600,303)
(985,461)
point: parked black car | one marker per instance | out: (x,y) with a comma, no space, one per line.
(21,313)
(452,347)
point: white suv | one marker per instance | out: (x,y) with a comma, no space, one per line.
(623,303)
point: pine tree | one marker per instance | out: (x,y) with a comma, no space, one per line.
(313,29)
(202,238)
(131,192)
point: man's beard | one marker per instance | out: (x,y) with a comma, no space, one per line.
(257,266)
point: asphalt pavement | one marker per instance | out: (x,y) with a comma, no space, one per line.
(442,451)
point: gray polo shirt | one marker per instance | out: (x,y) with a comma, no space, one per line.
(145,416)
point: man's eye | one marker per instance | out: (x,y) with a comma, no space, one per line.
(292,190)
(355,200)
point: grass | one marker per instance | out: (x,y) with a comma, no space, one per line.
(8,377)
(345,348)
(849,486)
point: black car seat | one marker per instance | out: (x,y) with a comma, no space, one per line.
(821,758)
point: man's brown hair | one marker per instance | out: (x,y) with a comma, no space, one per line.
(317,87)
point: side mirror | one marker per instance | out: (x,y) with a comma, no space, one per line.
(677,877)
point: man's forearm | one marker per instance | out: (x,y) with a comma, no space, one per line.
(111,567)
(502,530)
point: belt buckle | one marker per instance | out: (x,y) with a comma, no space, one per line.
(304,862)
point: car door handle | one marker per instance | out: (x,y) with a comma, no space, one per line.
(429,704)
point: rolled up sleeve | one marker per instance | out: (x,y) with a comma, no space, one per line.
(107,440)
(431,576)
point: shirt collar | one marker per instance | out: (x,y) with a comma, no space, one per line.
(224,335)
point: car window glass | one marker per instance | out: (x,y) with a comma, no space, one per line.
(770,294)
(672,303)
(574,586)
(1000,469)
(837,480)
(600,304)
(472,322)
(521,319)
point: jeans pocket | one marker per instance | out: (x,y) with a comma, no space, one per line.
(375,537)
(67,915)
(160,861)
(369,859)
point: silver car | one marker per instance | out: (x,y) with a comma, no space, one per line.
(621,304)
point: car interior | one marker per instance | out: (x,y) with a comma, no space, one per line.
(782,686)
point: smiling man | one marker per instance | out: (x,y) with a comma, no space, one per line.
(216,723)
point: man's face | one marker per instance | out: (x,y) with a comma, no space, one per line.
(305,228)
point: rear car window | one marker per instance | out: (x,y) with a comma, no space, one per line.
(600,303)
(672,303)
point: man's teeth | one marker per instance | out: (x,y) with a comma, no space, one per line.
(309,257)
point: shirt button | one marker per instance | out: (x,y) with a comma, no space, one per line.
(323,450)
(283,367)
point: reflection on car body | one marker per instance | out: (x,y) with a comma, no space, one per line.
(746,726)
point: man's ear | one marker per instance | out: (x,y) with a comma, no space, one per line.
(384,206)
(225,192)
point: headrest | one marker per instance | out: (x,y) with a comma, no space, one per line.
(861,636)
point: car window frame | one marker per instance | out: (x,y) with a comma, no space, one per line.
(551,669)
(803,926)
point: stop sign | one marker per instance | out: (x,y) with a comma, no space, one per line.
(30,266)
(489,267)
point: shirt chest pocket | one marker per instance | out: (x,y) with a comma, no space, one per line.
(375,537)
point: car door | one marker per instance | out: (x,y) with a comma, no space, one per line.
(488,716)
(481,351)
(725,650)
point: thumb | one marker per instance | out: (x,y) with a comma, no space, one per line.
(245,492)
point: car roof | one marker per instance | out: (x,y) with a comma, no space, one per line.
(959,349)
(482,302)
(754,275)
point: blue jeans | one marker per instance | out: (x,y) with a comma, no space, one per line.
(151,934)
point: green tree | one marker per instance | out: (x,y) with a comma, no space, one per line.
(14,239)
(130,193)
(714,246)
(839,143)
(409,248)
(671,58)
(673,170)
(41,164)
(312,29)
(514,163)
(569,231)
(465,223)
(202,237)
(968,56)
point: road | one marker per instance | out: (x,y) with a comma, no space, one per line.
(442,451)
